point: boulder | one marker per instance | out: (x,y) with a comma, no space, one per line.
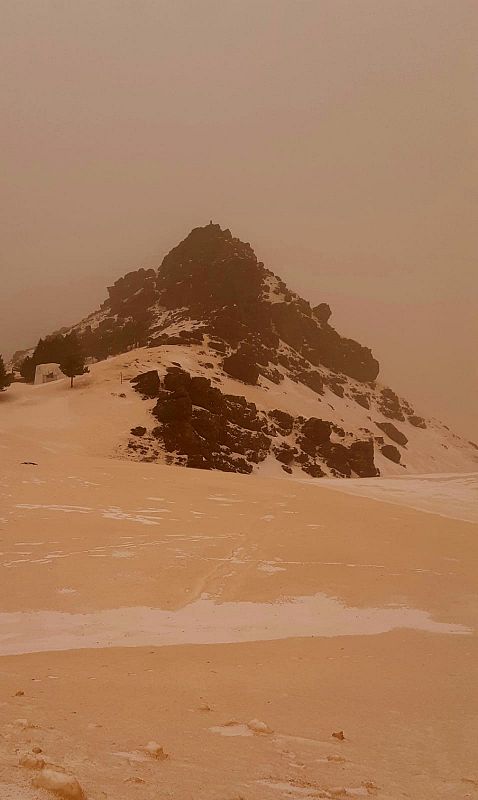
(147,383)
(177,379)
(337,458)
(156,751)
(418,422)
(285,453)
(316,430)
(391,452)
(322,313)
(177,407)
(257,726)
(206,396)
(61,784)
(283,420)
(314,470)
(312,379)
(360,458)
(392,432)
(241,366)
(139,430)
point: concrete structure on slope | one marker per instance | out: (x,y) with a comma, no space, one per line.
(45,373)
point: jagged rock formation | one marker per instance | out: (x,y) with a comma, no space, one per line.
(239,325)
(202,427)
(212,285)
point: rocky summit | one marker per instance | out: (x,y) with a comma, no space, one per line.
(246,374)
(212,285)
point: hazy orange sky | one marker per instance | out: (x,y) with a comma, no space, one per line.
(337,136)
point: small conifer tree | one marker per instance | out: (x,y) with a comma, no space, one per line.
(73,363)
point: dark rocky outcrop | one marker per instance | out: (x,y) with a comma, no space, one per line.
(362,399)
(244,414)
(316,431)
(321,344)
(389,405)
(322,312)
(312,379)
(147,383)
(392,432)
(283,421)
(336,385)
(202,427)
(418,422)
(271,374)
(345,461)
(210,429)
(176,407)
(140,430)
(135,290)
(241,366)
(285,453)
(176,379)
(391,452)
(314,470)
(204,395)
(360,459)
(180,437)
(220,347)
(210,269)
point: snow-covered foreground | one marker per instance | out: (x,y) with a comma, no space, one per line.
(206,622)
(146,602)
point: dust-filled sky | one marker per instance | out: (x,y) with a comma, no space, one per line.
(337,136)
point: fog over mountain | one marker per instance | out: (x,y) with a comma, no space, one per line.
(337,137)
(238,383)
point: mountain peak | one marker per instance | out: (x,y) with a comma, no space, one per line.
(213,304)
(210,269)
(206,243)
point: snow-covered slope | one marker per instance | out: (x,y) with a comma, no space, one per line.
(97,416)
